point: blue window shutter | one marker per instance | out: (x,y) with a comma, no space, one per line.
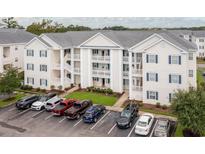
(170,78)
(170,59)
(156,56)
(32,66)
(147,58)
(180,79)
(33,80)
(27,66)
(180,60)
(157,96)
(170,97)
(147,94)
(147,76)
(46,82)
(156,77)
(46,53)
(27,80)
(40,53)
(32,53)
(40,82)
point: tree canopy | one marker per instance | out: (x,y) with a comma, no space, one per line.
(11,23)
(189,106)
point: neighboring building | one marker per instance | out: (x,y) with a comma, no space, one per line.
(150,65)
(12,43)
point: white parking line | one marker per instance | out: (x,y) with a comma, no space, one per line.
(99,120)
(19,113)
(62,120)
(77,122)
(112,129)
(12,109)
(48,117)
(153,129)
(132,130)
(38,113)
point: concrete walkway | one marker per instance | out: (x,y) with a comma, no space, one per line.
(69,91)
(121,100)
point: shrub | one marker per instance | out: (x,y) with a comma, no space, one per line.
(164,107)
(109,91)
(140,104)
(158,105)
(43,90)
(38,89)
(26,87)
(60,87)
(71,85)
(52,87)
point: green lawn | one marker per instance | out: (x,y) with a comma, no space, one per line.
(95,97)
(178,132)
(199,75)
(157,112)
(11,100)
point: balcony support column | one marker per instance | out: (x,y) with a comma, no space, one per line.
(72,65)
(130,75)
(62,68)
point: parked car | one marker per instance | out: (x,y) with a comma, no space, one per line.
(51,104)
(78,109)
(40,104)
(63,106)
(162,128)
(26,102)
(144,124)
(127,116)
(93,113)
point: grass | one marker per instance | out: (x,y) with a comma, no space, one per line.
(157,112)
(95,97)
(178,132)
(200,77)
(11,100)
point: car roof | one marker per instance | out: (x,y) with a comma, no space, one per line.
(163,122)
(145,118)
(53,100)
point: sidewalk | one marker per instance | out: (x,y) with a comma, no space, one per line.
(121,100)
(69,91)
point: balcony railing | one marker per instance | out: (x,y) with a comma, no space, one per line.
(137,60)
(125,59)
(77,70)
(126,87)
(136,71)
(101,72)
(101,58)
(137,88)
(77,56)
(125,73)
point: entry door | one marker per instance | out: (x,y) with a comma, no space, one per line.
(103,82)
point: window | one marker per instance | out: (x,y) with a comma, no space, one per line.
(125,53)
(30,53)
(152,95)
(16,48)
(30,67)
(126,67)
(30,81)
(16,59)
(43,68)
(43,53)
(175,78)
(191,56)
(170,96)
(152,59)
(95,79)
(191,73)
(201,40)
(174,59)
(43,82)
(95,52)
(152,77)
(95,66)
(107,81)
(201,47)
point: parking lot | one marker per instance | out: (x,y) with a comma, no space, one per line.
(30,123)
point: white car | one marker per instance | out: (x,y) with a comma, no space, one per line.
(51,104)
(144,124)
(40,104)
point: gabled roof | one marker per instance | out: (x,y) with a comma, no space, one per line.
(200,33)
(126,39)
(41,40)
(12,36)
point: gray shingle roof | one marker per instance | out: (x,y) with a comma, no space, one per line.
(199,33)
(10,36)
(126,39)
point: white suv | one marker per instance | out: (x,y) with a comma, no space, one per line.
(40,104)
(144,124)
(51,104)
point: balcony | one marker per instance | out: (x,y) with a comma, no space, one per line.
(125,87)
(137,60)
(101,73)
(137,71)
(57,81)
(125,74)
(137,88)
(77,56)
(125,59)
(77,70)
(101,58)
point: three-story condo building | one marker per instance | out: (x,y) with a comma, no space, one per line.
(150,65)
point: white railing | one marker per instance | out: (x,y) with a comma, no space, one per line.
(101,72)
(57,81)
(137,71)
(125,59)
(126,87)
(77,70)
(101,58)
(67,66)
(76,56)
(137,88)
(137,60)
(125,73)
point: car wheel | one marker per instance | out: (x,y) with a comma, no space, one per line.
(130,124)
(95,120)
(42,108)
(78,116)
(103,111)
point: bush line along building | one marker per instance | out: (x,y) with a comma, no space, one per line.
(149,65)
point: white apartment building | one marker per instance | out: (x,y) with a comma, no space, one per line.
(12,43)
(149,65)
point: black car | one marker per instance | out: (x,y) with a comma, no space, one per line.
(26,102)
(127,116)
(93,113)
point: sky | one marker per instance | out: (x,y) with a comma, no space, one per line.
(132,22)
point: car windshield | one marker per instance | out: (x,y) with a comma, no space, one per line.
(43,99)
(125,114)
(88,114)
(77,105)
(142,123)
(49,104)
(162,125)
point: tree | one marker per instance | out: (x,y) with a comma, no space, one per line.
(9,81)
(11,23)
(189,106)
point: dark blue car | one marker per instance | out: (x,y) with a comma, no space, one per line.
(93,113)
